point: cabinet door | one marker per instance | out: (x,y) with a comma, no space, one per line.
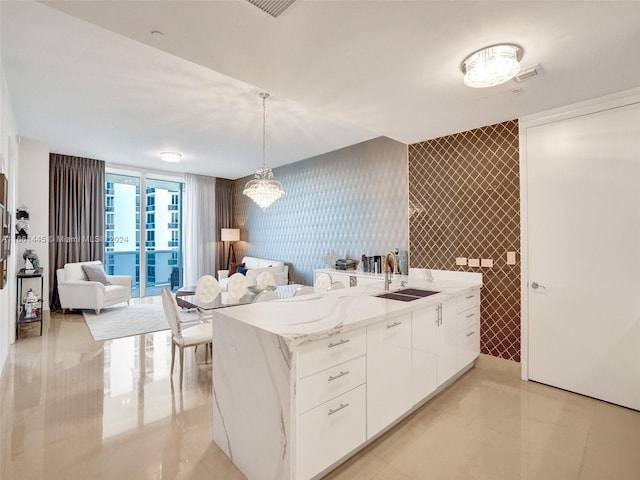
(330,431)
(425,343)
(388,372)
(468,345)
(448,354)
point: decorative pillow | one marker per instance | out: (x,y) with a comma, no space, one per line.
(242,270)
(95,273)
(234,268)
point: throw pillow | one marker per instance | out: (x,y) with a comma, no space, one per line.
(95,273)
(242,270)
(234,268)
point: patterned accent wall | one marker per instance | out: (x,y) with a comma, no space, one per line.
(351,201)
(464,199)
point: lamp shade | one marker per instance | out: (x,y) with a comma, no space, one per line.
(230,234)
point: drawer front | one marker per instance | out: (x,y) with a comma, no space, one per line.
(468,345)
(330,351)
(467,301)
(330,431)
(327,384)
(468,318)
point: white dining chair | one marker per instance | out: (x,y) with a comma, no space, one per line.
(266,296)
(181,336)
(265,278)
(335,286)
(304,290)
(322,283)
(207,290)
(237,286)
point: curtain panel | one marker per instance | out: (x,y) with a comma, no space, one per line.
(76,214)
(200,227)
(224,217)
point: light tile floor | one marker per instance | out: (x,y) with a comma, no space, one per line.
(71,408)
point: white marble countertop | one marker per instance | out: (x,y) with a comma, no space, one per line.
(310,317)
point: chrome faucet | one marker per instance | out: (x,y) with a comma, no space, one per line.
(389,266)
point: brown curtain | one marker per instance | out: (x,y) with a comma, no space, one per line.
(224,217)
(76,214)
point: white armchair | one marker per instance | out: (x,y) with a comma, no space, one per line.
(76,292)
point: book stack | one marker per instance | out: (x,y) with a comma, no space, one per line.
(372,264)
(345,264)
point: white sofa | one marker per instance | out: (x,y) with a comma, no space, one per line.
(254,266)
(76,292)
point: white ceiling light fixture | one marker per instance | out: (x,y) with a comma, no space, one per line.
(491,65)
(263,189)
(170,157)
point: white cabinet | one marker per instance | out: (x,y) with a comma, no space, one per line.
(448,352)
(425,348)
(329,351)
(434,348)
(330,431)
(467,328)
(388,372)
(331,400)
(468,345)
(331,382)
(351,278)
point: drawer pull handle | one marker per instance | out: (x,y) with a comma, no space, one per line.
(470,333)
(335,377)
(336,410)
(394,324)
(470,315)
(470,296)
(341,342)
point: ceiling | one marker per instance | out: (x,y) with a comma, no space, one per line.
(88,78)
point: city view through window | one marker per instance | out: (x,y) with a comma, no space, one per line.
(156,218)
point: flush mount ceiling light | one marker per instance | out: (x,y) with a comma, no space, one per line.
(170,157)
(491,66)
(263,189)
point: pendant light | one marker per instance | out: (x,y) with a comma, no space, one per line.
(263,189)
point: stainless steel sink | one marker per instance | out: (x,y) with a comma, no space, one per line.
(397,296)
(416,292)
(407,294)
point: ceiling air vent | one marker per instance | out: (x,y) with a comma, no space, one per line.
(527,73)
(272,7)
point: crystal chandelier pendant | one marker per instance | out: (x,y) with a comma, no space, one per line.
(263,189)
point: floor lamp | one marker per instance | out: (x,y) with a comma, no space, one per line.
(230,235)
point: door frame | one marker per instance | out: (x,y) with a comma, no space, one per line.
(615,100)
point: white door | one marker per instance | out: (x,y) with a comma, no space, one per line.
(584,254)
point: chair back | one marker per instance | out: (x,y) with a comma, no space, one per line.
(335,286)
(207,288)
(305,290)
(266,296)
(323,282)
(171,313)
(265,278)
(237,286)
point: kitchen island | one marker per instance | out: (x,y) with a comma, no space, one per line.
(301,384)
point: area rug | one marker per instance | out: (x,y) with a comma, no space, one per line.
(128,320)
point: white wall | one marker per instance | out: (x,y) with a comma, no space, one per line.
(8,166)
(33,192)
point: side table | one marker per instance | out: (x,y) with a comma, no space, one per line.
(28,311)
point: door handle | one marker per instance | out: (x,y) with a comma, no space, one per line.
(536,286)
